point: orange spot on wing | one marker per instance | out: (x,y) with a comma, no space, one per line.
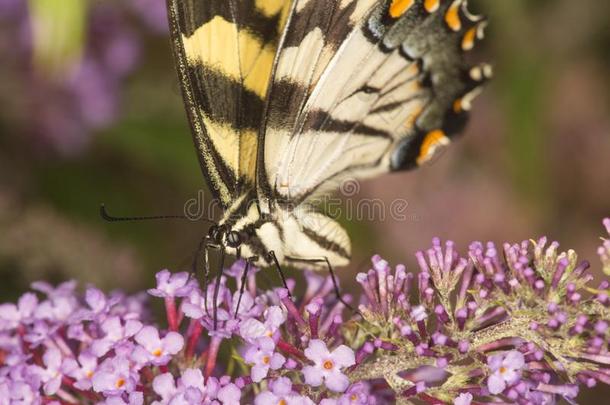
(431,142)
(468,40)
(453,16)
(399,7)
(431,5)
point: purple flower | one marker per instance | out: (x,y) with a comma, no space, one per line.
(198,305)
(280,392)
(252,329)
(327,365)
(19,393)
(134,398)
(82,370)
(262,356)
(115,333)
(506,370)
(155,350)
(99,306)
(191,389)
(172,285)
(62,302)
(51,374)
(419,314)
(108,355)
(115,376)
(229,394)
(356,394)
(604,250)
(12,315)
(8,8)
(463,399)
(165,386)
(152,12)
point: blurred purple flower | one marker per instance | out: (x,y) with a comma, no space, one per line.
(86,95)
(11,8)
(153,13)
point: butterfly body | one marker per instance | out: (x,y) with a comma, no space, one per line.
(288,99)
(294,235)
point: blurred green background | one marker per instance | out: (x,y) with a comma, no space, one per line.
(91,112)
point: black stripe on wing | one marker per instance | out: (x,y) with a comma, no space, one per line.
(326,243)
(242,12)
(250,108)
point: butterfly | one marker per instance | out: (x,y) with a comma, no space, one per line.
(287,99)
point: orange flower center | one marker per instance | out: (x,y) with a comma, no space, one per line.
(328,364)
(157,353)
(89,374)
(266,359)
(282,402)
(120,382)
(503,370)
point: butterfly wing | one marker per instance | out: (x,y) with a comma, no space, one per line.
(364,87)
(224,51)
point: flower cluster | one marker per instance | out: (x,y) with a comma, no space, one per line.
(516,324)
(85,89)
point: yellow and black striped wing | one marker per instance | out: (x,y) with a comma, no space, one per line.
(363,87)
(225,50)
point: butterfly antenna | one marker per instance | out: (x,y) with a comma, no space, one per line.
(111,218)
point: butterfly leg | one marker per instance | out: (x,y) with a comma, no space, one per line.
(331,271)
(195,264)
(272,258)
(217,285)
(244,280)
(206,272)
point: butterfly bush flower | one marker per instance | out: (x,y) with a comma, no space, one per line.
(505,370)
(280,392)
(328,365)
(518,323)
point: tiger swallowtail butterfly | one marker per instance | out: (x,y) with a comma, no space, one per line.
(289,98)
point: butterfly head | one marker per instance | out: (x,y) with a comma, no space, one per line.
(224,236)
